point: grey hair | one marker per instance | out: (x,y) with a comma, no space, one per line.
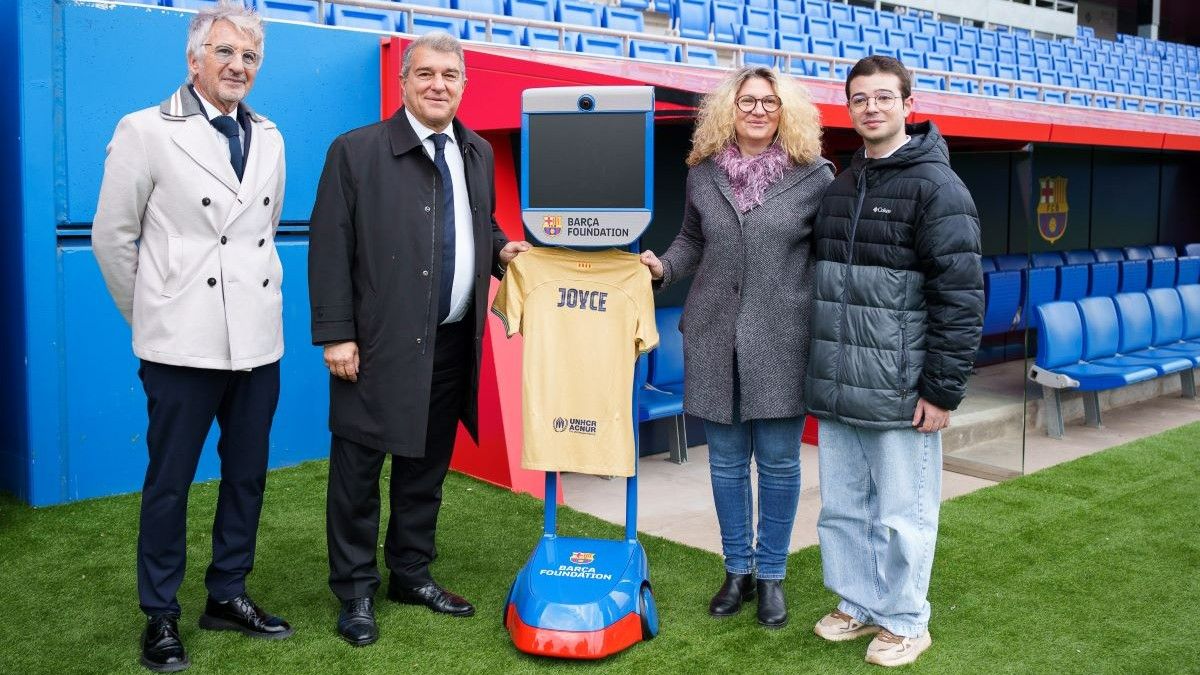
(438,41)
(244,19)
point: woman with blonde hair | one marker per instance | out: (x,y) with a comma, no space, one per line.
(756,179)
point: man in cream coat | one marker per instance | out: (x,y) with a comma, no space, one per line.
(184,234)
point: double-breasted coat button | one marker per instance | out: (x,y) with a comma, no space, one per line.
(424,273)
(212,281)
(418,340)
(205,202)
(265,281)
(266,201)
(261,242)
(426,209)
(223,239)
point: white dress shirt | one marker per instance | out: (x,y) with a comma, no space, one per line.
(464,237)
(212,112)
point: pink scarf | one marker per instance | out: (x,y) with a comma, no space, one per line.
(751,176)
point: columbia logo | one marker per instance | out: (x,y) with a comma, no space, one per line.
(881,209)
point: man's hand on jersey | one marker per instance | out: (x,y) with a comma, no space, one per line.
(656,267)
(341,358)
(510,251)
(929,418)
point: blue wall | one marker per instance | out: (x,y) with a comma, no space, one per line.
(82,67)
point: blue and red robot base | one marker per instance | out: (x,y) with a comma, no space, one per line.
(582,598)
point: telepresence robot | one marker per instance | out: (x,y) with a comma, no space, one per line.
(586,182)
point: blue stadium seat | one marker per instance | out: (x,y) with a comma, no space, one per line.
(726,20)
(1109,254)
(788,23)
(289,10)
(1137,327)
(661,394)
(1002,291)
(1011,261)
(1028,74)
(371,19)
(1078,99)
(639,5)
(984,68)
(1026,59)
(578,13)
(997,90)
(1079,256)
(853,50)
(897,39)
(921,43)
(1072,282)
(1189,271)
(951,31)
(931,82)
(990,54)
(1047,259)
(884,51)
(1138,252)
(695,17)
(865,16)
(1163,272)
(1041,283)
(839,12)
(764,4)
(760,18)
(627,20)
(943,45)
(788,6)
(1163,251)
(426,23)
(965,66)
(816,8)
(600,44)
(501,32)
(1135,275)
(908,24)
(648,50)
(1189,295)
(873,35)
(754,37)
(1041,47)
(1026,93)
(964,50)
(540,10)
(887,20)
(962,86)
(798,44)
(699,55)
(818,27)
(1087,82)
(1169,325)
(481,6)
(910,57)
(926,26)
(547,38)
(826,47)
(1004,41)
(1067,80)
(970,35)
(1061,347)
(846,31)
(987,263)
(937,62)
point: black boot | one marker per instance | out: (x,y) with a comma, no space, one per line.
(772,607)
(737,589)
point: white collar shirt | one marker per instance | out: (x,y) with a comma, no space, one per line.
(464,238)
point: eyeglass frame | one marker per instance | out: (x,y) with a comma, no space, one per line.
(866,101)
(258,57)
(757,101)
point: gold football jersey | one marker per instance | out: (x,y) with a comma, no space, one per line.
(585,318)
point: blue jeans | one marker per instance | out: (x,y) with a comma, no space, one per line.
(880,495)
(775,446)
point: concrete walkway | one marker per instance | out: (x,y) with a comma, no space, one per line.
(675,501)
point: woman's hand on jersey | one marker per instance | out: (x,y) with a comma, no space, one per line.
(341,358)
(656,267)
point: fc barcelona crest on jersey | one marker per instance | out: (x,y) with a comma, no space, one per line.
(552,225)
(581,558)
(1052,208)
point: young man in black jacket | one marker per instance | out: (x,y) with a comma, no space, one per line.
(897,321)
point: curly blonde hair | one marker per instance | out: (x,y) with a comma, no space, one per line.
(799,120)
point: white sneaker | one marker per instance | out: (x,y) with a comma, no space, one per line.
(838,626)
(889,649)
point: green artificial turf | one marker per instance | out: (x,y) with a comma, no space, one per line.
(1091,566)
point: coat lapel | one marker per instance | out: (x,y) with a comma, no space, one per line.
(791,178)
(723,185)
(195,137)
(264,162)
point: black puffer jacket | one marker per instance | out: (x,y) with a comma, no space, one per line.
(899,295)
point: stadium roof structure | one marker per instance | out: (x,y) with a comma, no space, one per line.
(496,72)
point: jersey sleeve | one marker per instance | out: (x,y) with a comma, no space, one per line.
(510,299)
(646,334)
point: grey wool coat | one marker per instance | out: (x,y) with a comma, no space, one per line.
(752,292)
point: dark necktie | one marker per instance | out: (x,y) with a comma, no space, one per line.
(229,126)
(439,160)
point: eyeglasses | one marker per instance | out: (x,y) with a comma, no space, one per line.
(748,103)
(883,100)
(225,54)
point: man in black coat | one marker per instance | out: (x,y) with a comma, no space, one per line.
(897,320)
(402,242)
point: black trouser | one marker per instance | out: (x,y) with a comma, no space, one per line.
(182,403)
(415,492)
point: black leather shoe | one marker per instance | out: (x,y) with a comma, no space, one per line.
(162,650)
(356,623)
(432,596)
(738,588)
(242,615)
(772,607)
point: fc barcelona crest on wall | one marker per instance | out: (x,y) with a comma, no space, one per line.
(1052,208)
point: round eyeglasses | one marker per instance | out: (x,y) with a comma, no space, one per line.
(748,103)
(883,101)
(225,54)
